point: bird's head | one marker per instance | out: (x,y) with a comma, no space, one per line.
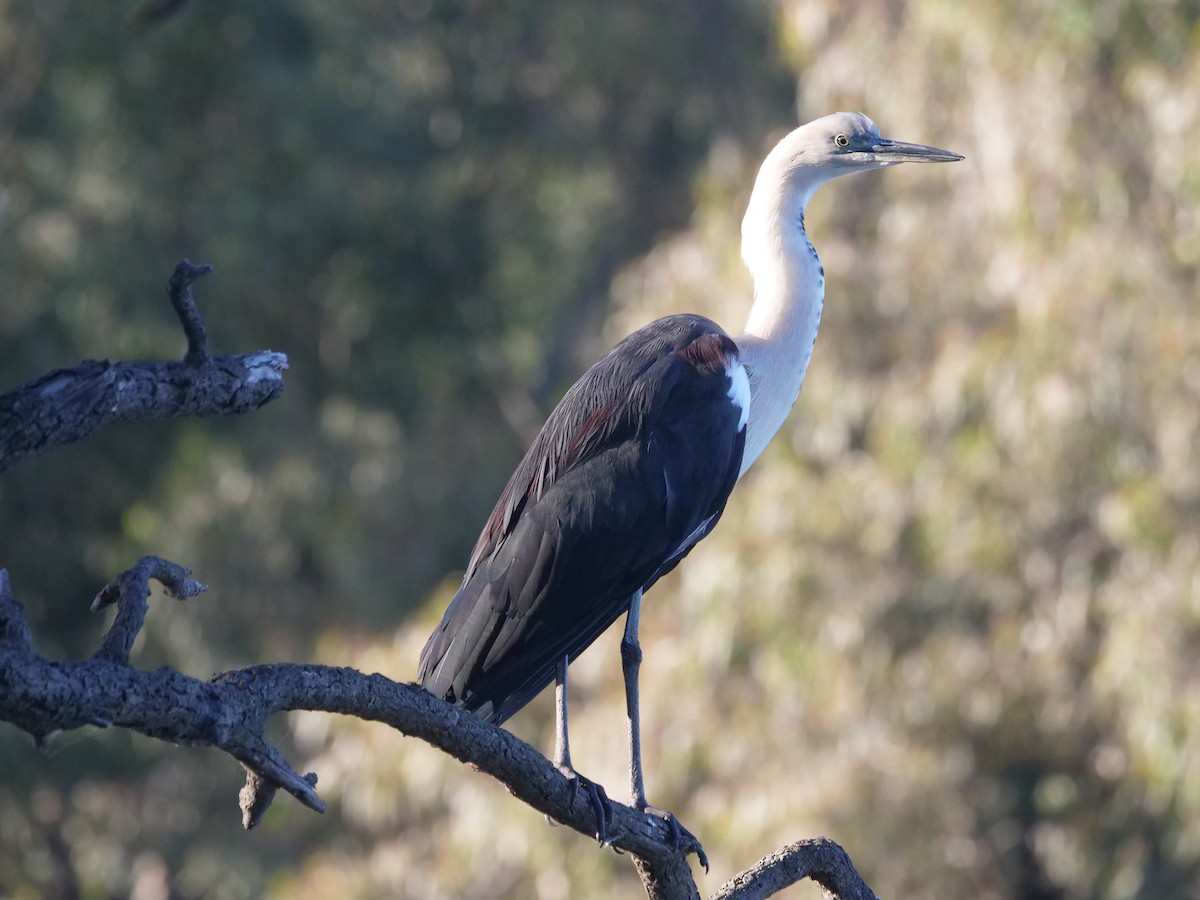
(838,144)
(843,143)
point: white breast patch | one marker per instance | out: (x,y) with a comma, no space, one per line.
(739,389)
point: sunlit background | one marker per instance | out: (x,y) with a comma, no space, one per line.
(951,619)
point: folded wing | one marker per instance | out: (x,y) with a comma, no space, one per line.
(629,472)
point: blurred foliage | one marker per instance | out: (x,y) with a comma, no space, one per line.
(952,617)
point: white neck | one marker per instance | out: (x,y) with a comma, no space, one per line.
(789,292)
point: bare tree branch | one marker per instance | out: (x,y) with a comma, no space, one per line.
(67,405)
(817,858)
(229,711)
(131,590)
(179,290)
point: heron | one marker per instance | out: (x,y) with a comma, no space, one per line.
(634,466)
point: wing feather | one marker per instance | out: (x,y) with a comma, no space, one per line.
(630,470)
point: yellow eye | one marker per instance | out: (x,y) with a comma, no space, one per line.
(842,141)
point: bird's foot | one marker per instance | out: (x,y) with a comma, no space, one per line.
(678,836)
(601,805)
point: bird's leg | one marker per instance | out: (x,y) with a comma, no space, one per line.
(631,661)
(562,745)
(562,758)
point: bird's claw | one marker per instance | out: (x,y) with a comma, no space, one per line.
(601,805)
(677,836)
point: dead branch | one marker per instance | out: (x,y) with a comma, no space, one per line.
(229,712)
(817,858)
(67,405)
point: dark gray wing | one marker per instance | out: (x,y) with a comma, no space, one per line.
(630,470)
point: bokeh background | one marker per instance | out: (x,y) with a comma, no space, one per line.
(951,619)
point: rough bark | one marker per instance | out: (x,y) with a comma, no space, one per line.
(230,710)
(67,405)
(817,858)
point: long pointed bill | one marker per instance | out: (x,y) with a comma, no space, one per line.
(890,152)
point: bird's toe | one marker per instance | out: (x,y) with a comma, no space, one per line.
(601,805)
(678,836)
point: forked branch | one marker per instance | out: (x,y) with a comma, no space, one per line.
(67,405)
(229,711)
